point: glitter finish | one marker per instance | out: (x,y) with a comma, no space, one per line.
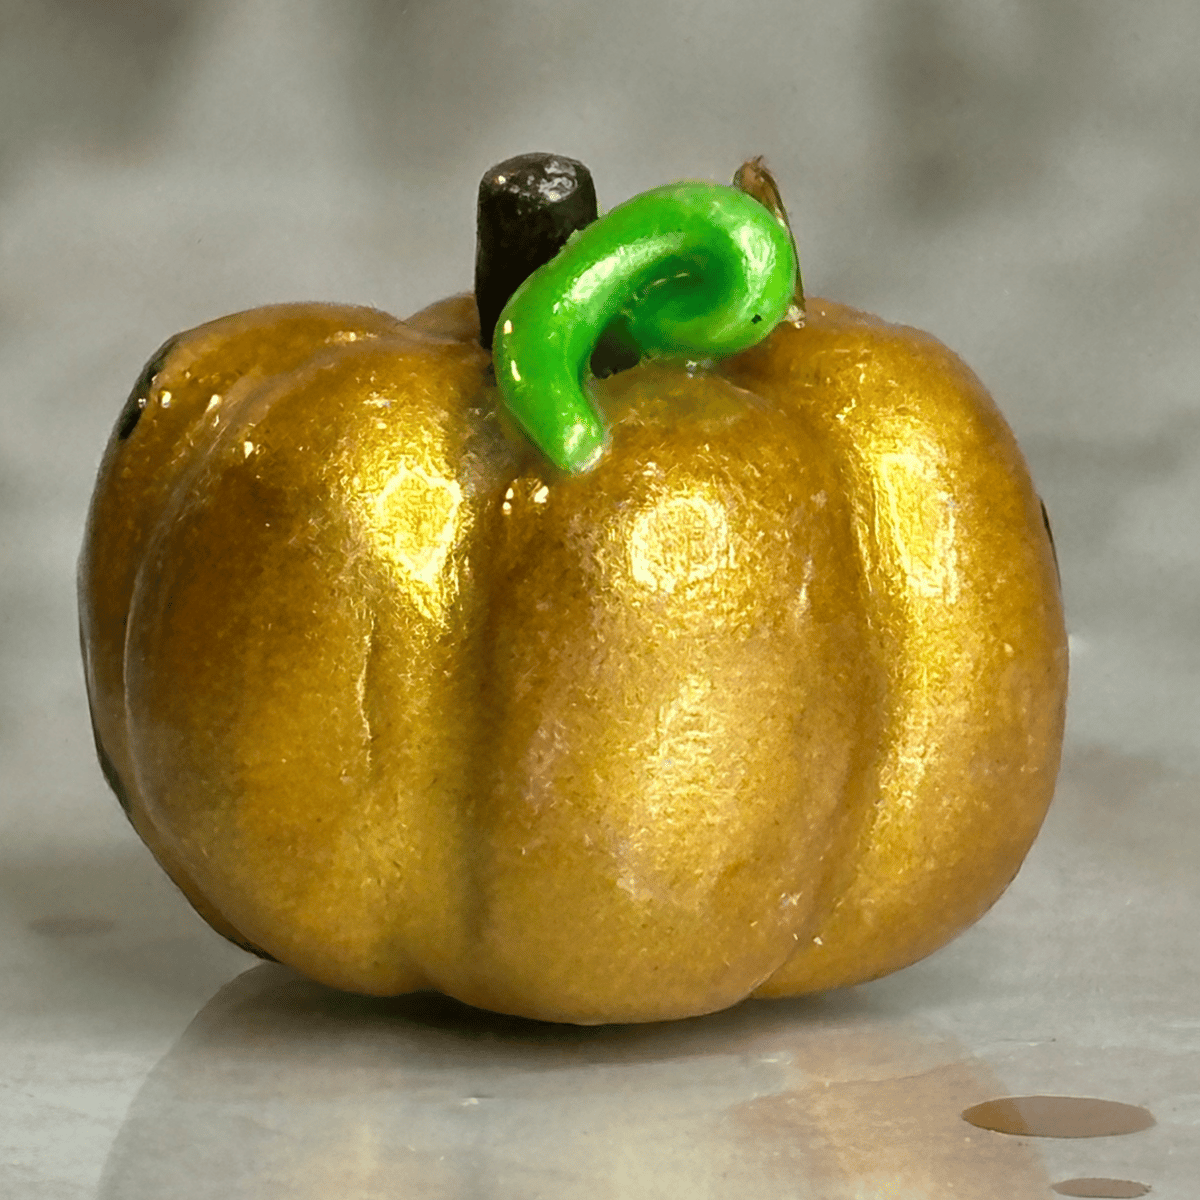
(770,701)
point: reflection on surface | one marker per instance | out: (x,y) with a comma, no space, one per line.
(283,1088)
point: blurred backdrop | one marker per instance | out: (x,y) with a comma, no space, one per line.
(1018,176)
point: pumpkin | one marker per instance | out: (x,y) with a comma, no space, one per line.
(766,700)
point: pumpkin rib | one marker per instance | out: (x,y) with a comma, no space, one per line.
(963,785)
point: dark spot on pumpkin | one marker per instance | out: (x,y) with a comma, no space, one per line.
(250,947)
(1050,535)
(134,406)
(114,780)
(754,320)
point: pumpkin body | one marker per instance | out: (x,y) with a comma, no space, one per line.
(771,701)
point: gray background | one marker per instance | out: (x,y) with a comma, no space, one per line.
(1020,177)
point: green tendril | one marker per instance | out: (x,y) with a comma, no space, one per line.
(691,270)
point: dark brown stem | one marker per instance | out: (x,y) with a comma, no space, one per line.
(528,208)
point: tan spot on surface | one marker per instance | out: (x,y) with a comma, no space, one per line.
(1105,1189)
(1059,1117)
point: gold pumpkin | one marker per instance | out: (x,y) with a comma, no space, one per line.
(769,702)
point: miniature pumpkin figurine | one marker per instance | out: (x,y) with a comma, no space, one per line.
(578,693)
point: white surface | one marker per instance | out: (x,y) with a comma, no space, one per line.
(1020,178)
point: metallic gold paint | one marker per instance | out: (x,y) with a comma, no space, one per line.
(770,701)
(960,590)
